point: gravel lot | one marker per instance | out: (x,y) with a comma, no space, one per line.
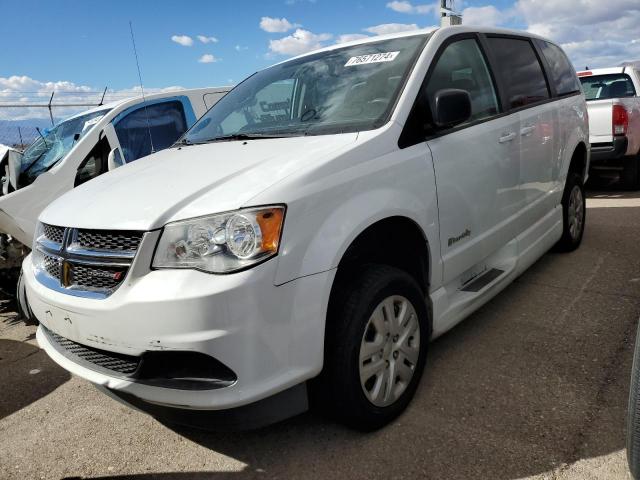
(534,385)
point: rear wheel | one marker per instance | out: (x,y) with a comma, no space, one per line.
(633,414)
(631,173)
(376,347)
(573,213)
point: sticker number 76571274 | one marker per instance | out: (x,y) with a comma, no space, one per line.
(372,58)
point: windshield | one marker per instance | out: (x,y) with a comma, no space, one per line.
(45,152)
(600,87)
(343,90)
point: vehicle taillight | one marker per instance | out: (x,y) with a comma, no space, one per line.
(585,74)
(620,120)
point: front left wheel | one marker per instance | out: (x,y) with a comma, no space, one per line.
(376,345)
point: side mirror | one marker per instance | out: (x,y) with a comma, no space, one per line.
(451,107)
(114,160)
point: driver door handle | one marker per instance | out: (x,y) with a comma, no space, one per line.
(507,137)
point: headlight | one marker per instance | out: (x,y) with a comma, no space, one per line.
(221,243)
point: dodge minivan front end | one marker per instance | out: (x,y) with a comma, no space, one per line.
(113,313)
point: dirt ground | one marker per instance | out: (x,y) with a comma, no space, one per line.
(533,385)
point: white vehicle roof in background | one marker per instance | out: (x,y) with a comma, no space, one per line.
(136,99)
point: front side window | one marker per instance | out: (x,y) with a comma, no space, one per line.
(343,90)
(48,150)
(520,70)
(462,66)
(562,73)
(601,87)
(163,123)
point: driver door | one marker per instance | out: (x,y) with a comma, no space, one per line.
(477,165)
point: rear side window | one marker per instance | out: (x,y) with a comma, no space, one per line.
(166,122)
(601,87)
(562,73)
(520,70)
(462,66)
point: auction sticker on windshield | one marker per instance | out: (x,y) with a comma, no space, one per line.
(372,58)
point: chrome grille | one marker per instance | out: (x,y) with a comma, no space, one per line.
(97,277)
(104,240)
(116,362)
(52,266)
(53,233)
(88,263)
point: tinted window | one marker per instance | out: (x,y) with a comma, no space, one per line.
(562,73)
(461,65)
(599,87)
(165,121)
(521,71)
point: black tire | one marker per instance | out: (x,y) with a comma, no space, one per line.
(633,414)
(338,390)
(569,242)
(631,173)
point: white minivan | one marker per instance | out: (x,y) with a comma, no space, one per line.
(312,232)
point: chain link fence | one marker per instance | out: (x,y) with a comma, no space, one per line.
(17,136)
(23,113)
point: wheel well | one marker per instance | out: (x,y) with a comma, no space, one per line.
(579,160)
(395,241)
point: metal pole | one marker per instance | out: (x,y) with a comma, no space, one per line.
(102,99)
(20,135)
(50,110)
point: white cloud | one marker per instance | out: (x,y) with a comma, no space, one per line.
(592,32)
(407,7)
(386,28)
(300,41)
(205,39)
(277,25)
(184,40)
(240,48)
(487,16)
(208,58)
(25,90)
(350,37)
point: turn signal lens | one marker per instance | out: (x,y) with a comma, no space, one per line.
(270,222)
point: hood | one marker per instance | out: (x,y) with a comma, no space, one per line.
(180,183)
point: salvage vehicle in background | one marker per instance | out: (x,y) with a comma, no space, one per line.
(83,147)
(313,231)
(613,103)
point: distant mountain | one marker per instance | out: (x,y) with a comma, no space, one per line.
(10,133)
(634,64)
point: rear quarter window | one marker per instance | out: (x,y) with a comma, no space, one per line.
(562,73)
(520,69)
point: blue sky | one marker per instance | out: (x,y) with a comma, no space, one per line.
(78,45)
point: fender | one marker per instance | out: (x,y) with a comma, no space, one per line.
(324,216)
(576,114)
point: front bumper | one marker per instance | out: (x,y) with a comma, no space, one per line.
(270,336)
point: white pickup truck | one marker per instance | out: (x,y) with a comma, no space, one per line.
(613,104)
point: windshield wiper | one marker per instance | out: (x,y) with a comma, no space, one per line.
(182,143)
(246,136)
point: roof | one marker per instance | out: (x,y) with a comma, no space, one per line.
(425,31)
(149,96)
(602,71)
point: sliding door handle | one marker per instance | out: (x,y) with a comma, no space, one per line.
(507,137)
(528,130)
